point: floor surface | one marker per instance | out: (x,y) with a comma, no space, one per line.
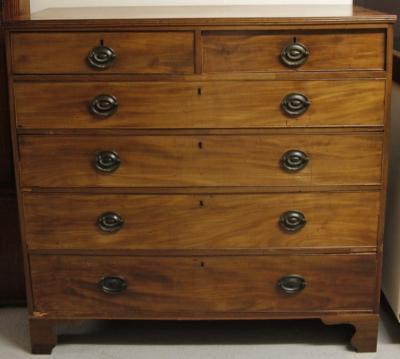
(198,340)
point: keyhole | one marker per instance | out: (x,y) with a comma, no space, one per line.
(295,39)
(201,203)
(200,144)
(202,264)
(101,42)
(199,91)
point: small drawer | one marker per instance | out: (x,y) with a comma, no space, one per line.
(262,51)
(202,222)
(107,286)
(200,161)
(217,104)
(110,52)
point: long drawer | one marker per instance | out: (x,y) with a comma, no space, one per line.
(125,286)
(151,52)
(262,51)
(179,222)
(202,160)
(217,104)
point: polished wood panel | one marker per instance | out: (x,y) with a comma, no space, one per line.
(216,104)
(69,221)
(137,52)
(340,50)
(70,284)
(186,161)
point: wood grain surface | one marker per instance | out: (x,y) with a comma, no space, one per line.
(187,161)
(244,51)
(200,222)
(136,52)
(70,284)
(214,104)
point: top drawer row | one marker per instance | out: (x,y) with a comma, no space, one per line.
(174,52)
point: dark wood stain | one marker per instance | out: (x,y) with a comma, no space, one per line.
(200,133)
(12,289)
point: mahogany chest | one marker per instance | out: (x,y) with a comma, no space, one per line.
(181,166)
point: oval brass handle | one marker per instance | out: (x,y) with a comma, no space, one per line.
(113,284)
(294,55)
(101,57)
(292,284)
(292,221)
(294,160)
(104,105)
(107,161)
(110,222)
(295,104)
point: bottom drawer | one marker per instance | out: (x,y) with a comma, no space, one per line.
(109,286)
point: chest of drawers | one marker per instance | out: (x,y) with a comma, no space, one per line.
(201,168)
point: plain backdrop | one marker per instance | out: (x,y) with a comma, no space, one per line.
(37,5)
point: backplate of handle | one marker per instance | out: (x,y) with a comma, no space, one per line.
(103,105)
(295,104)
(292,221)
(294,160)
(101,57)
(107,161)
(294,55)
(292,284)
(110,222)
(113,284)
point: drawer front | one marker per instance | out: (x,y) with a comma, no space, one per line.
(131,52)
(179,222)
(199,105)
(250,51)
(209,160)
(78,285)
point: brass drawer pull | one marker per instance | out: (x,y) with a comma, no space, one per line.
(113,284)
(110,222)
(101,57)
(292,284)
(294,160)
(107,161)
(295,104)
(294,55)
(104,105)
(292,221)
